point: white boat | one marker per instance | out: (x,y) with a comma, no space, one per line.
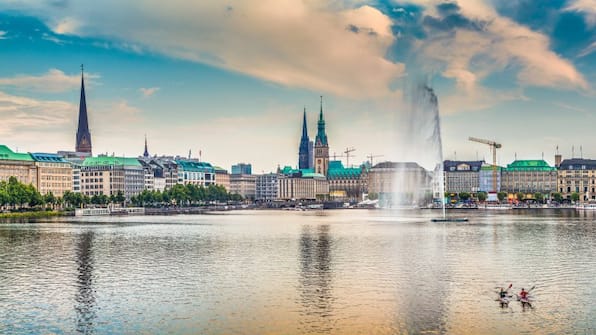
(586,207)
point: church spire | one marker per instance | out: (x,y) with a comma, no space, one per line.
(321,138)
(83,135)
(146,152)
(303,153)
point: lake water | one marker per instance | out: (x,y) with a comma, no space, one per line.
(314,272)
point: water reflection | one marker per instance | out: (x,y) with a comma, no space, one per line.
(315,284)
(85,294)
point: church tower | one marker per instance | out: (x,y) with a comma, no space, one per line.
(83,136)
(146,152)
(303,154)
(321,146)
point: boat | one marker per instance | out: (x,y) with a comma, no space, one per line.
(586,207)
(449,220)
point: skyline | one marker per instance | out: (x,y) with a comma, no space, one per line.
(214,78)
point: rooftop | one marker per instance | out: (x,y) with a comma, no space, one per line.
(529,165)
(7,154)
(338,171)
(48,158)
(110,160)
(194,166)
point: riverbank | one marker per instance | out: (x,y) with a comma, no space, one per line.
(32,215)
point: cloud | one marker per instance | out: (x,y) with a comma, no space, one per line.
(294,43)
(2,35)
(21,114)
(588,50)
(54,81)
(586,7)
(147,92)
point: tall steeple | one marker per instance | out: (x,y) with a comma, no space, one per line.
(83,136)
(146,152)
(321,146)
(303,154)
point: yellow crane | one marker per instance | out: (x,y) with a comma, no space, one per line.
(494,146)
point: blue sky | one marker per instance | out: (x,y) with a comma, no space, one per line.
(230,79)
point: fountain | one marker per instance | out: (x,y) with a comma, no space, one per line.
(419,133)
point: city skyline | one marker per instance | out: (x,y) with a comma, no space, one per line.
(231,96)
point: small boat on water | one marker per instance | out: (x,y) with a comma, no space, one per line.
(586,207)
(449,219)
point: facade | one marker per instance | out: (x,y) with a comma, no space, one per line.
(486,178)
(400,183)
(577,175)
(303,186)
(303,152)
(267,187)
(149,174)
(346,183)
(83,143)
(244,184)
(529,177)
(54,174)
(462,176)
(222,177)
(321,159)
(20,166)
(242,168)
(192,171)
(109,175)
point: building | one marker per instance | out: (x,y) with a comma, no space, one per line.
(462,176)
(299,185)
(400,184)
(321,159)
(222,177)
(242,168)
(486,178)
(267,187)
(83,143)
(303,153)
(528,177)
(149,174)
(346,183)
(244,185)
(20,166)
(109,175)
(54,174)
(194,172)
(577,175)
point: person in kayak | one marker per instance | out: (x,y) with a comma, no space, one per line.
(523,297)
(503,295)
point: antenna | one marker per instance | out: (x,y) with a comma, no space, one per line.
(572,151)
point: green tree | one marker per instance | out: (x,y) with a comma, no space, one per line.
(557,197)
(50,199)
(520,196)
(481,196)
(373,196)
(464,196)
(501,196)
(539,197)
(575,197)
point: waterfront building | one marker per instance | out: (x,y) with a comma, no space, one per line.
(321,159)
(486,178)
(529,177)
(76,160)
(303,153)
(577,175)
(242,168)
(109,175)
(302,185)
(462,176)
(311,154)
(149,174)
(18,165)
(267,187)
(244,185)
(83,140)
(222,177)
(346,183)
(191,171)
(54,174)
(400,183)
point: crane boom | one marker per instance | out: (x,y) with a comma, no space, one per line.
(494,146)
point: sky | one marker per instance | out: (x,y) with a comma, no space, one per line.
(230,79)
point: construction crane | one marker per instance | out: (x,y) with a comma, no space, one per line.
(347,152)
(371,156)
(494,146)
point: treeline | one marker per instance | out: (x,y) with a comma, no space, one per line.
(14,194)
(184,195)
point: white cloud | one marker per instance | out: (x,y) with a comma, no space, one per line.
(53,81)
(147,92)
(586,7)
(306,44)
(588,50)
(2,35)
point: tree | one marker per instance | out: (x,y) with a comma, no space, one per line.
(557,197)
(464,196)
(373,196)
(49,199)
(539,197)
(501,196)
(575,197)
(520,196)
(481,196)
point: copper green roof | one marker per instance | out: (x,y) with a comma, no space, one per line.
(288,170)
(7,154)
(194,166)
(338,171)
(109,160)
(529,165)
(490,168)
(48,158)
(312,175)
